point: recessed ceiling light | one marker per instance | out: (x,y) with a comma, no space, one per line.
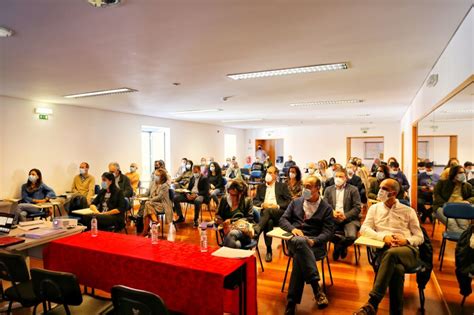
(5,32)
(101,93)
(242,120)
(43,111)
(363,115)
(286,71)
(331,102)
(210,110)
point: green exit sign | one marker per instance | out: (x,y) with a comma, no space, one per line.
(43,117)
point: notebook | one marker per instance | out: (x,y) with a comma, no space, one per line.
(83,211)
(366,241)
(40,233)
(6,241)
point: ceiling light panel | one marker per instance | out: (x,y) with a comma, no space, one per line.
(191,111)
(329,102)
(288,71)
(101,93)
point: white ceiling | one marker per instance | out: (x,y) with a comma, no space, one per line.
(63,47)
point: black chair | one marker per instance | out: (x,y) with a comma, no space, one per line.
(454,211)
(13,268)
(320,258)
(128,301)
(63,289)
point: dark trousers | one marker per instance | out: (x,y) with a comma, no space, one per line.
(105,221)
(304,266)
(391,274)
(269,219)
(346,233)
(178,198)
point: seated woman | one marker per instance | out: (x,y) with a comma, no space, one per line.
(235,214)
(108,206)
(383,172)
(453,189)
(216,182)
(34,192)
(159,201)
(295,185)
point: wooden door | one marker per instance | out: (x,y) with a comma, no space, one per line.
(268,146)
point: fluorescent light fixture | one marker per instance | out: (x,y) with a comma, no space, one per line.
(191,111)
(5,32)
(43,111)
(330,102)
(459,111)
(286,71)
(101,92)
(242,120)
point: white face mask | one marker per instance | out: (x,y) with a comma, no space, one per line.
(32,178)
(82,171)
(196,175)
(350,172)
(133,169)
(292,175)
(429,173)
(311,171)
(380,176)
(212,168)
(383,195)
(268,178)
(188,166)
(461,178)
(338,181)
(306,194)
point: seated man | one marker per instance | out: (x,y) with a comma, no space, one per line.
(427,180)
(199,194)
(345,200)
(397,225)
(121,181)
(273,198)
(356,181)
(257,166)
(134,177)
(398,175)
(290,162)
(310,220)
(83,186)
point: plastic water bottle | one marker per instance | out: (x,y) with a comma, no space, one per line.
(154,233)
(94,229)
(171,232)
(203,239)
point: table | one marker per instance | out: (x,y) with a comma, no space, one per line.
(189,281)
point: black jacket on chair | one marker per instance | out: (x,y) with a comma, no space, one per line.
(203,187)
(125,186)
(282,195)
(465,262)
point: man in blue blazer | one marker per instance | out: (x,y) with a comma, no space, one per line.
(310,220)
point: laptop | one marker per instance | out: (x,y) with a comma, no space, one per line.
(6,222)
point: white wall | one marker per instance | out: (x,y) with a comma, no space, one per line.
(455,65)
(76,134)
(313,143)
(358,149)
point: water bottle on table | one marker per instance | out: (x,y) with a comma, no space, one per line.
(203,242)
(94,228)
(154,233)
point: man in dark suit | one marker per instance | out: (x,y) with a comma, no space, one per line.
(122,181)
(344,199)
(352,179)
(198,194)
(310,220)
(273,198)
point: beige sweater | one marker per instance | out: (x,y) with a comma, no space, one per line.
(84,186)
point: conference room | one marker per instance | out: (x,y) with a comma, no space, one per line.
(202,157)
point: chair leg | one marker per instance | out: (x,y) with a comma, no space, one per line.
(259,258)
(443,248)
(45,307)
(9,310)
(34,309)
(209,209)
(422,300)
(162,219)
(286,274)
(355,254)
(329,269)
(66,308)
(463,300)
(324,277)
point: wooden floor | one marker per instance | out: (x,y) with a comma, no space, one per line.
(352,283)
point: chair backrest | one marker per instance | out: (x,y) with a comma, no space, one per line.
(13,267)
(458,210)
(245,171)
(132,301)
(96,189)
(256,174)
(56,287)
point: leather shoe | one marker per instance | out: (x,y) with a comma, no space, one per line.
(344,253)
(180,220)
(268,257)
(367,309)
(336,253)
(290,308)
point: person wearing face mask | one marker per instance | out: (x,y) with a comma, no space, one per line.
(310,219)
(198,194)
(181,168)
(121,181)
(182,181)
(260,153)
(233,172)
(204,167)
(257,169)
(234,211)
(312,170)
(226,165)
(398,175)
(83,183)
(266,164)
(295,185)
(248,162)
(453,189)
(216,182)
(383,173)
(421,167)
(159,202)
(451,163)
(33,192)
(109,206)
(289,163)
(398,227)
(272,198)
(324,172)
(134,177)
(345,200)
(469,172)
(375,166)
(356,181)
(427,180)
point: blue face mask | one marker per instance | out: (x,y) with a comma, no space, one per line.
(104,185)
(306,194)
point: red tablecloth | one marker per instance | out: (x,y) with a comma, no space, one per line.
(189,281)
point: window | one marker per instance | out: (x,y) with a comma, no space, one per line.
(155,146)
(230,145)
(373,150)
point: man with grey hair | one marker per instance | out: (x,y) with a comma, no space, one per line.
(398,227)
(121,180)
